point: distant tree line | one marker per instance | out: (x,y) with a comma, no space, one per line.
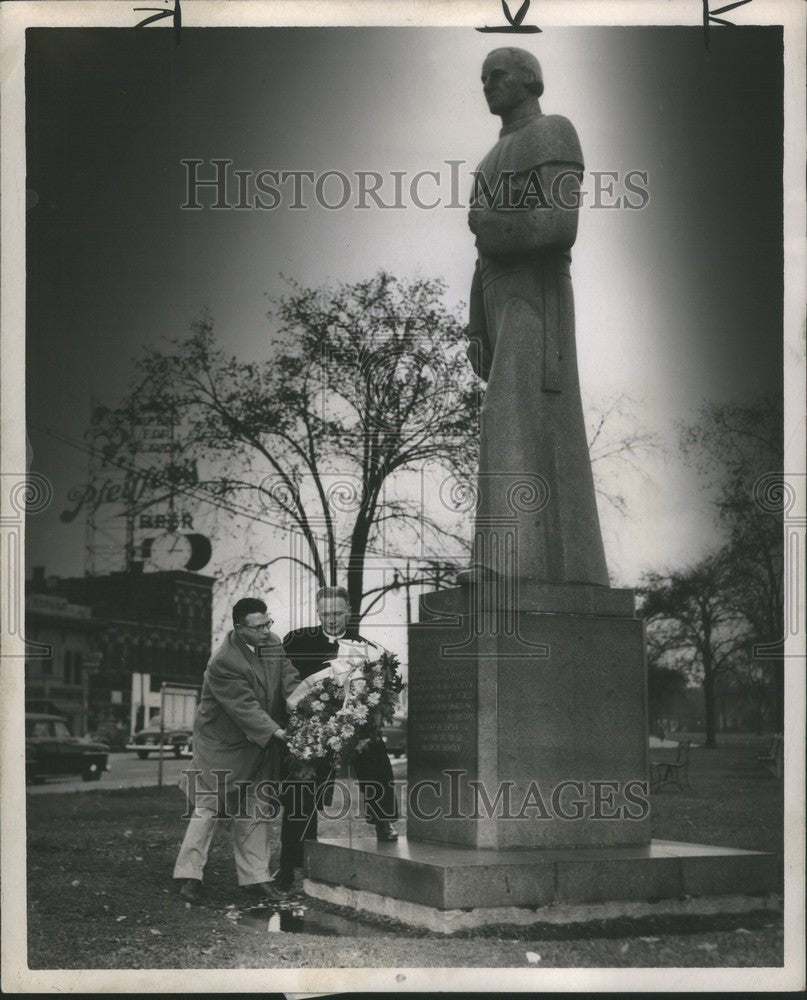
(721,622)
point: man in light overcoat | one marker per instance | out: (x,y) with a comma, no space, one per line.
(238,743)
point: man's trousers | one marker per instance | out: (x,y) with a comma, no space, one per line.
(376,783)
(250,840)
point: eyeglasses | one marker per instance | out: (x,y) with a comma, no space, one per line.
(263,627)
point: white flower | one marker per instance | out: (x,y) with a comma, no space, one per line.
(373,698)
(360,685)
(325,696)
(378,683)
(360,712)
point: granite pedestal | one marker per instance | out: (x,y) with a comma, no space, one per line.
(528,775)
(529,709)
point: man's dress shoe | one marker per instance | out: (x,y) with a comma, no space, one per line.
(191,890)
(284,879)
(264,892)
(385,833)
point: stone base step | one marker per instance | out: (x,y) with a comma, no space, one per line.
(450,888)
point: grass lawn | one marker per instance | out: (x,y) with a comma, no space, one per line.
(101,895)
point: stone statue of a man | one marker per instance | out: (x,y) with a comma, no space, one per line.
(537,514)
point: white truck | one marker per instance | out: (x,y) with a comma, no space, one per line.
(172,727)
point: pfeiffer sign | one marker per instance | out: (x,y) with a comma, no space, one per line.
(170,521)
(131,491)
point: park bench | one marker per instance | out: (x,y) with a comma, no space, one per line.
(671,773)
(773,758)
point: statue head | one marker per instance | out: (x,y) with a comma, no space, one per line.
(510,76)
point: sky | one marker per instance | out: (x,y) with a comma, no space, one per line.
(677,304)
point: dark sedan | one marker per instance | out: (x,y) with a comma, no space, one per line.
(174,741)
(50,749)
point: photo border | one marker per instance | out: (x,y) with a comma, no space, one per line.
(14,19)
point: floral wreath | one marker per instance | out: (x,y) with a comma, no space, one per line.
(338,711)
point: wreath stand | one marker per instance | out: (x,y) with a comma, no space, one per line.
(319,795)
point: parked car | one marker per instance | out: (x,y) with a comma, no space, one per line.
(51,749)
(114,736)
(395,735)
(148,741)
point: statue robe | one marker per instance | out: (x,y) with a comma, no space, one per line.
(537,514)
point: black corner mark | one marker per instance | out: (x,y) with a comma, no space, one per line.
(176,14)
(710,17)
(514,25)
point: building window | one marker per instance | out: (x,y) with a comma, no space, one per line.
(72,666)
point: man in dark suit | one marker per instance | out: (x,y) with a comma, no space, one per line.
(309,649)
(238,741)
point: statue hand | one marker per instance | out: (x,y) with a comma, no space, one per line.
(479,356)
(475,218)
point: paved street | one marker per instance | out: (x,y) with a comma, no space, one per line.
(128,771)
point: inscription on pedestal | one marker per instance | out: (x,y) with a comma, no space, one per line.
(445,722)
(443,710)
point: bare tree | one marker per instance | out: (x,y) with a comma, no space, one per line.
(694,626)
(738,452)
(364,394)
(617,444)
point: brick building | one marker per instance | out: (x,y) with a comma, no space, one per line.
(141,629)
(59,683)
